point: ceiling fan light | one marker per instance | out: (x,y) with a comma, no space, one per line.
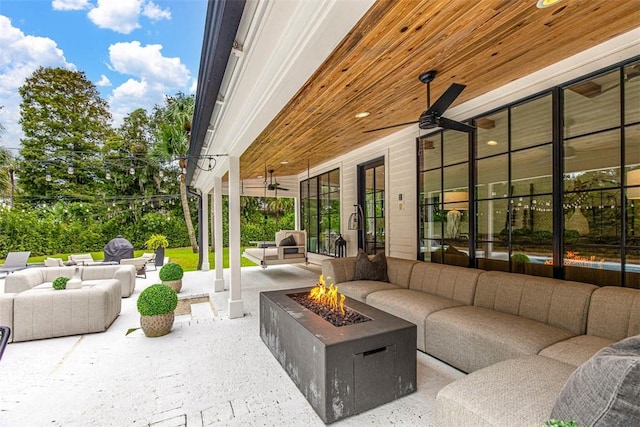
(546,3)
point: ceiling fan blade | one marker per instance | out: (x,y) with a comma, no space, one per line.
(446,99)
(391,126)
(452,124)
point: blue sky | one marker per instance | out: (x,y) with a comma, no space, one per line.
(134,51)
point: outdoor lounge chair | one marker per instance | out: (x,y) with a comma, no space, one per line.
(139,263)
(81,259)
(151,260)
(5,332)
(15,261)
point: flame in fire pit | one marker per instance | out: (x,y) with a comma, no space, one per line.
(327,295)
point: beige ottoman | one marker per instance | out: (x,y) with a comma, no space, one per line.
(43,312)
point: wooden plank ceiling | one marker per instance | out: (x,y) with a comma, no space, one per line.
(483,44)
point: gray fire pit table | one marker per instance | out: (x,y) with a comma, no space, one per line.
(342,371)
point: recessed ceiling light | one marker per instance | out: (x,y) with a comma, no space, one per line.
(492,143)
(546,3)
(362,114)
(284,162)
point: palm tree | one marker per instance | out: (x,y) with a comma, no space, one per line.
(7,174)
(173,131)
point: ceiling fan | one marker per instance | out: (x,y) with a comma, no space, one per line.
(432,117)
(269,184)
(274,185)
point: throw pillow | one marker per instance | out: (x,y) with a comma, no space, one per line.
(604,390)
(288,241)
(371,269)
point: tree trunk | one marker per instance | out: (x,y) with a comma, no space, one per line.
(187,215)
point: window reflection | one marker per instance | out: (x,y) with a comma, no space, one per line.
(598,215)
(320,211)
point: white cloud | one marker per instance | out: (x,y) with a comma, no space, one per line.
(154,76)
(70,4)
(20,56)
(123,16)
(104,81)
(153,12)
(117,15)
(147,62)
(194,86)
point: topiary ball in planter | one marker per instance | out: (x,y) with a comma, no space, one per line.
(171,275)
(60,283)
(155,305)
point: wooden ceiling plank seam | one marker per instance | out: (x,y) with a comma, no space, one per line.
(316,131)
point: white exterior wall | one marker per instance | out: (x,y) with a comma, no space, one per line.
(399,152)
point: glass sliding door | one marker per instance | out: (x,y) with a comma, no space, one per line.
(320,211)
(553,184)
(371,196)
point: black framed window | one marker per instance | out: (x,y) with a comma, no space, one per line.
(320,211)
(556,184)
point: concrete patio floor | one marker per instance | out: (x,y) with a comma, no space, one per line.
(210,370)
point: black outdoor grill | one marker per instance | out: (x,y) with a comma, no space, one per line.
(117,249)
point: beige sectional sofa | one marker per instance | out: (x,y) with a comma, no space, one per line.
(520,337)
(32,277)
(34,310)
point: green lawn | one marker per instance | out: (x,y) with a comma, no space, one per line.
(183,256)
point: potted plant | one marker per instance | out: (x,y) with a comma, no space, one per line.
(518,262)
(60,283)
(171,275)
(155,305)
(157,243)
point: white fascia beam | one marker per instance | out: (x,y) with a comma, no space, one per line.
(285,45)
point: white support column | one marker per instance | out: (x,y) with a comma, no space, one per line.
(236,309)
(205,231)
(217,231)
(296,216)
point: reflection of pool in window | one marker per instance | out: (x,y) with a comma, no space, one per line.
(598,265)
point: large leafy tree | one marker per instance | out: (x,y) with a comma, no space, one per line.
(65,123)
(128,151)
(173,129)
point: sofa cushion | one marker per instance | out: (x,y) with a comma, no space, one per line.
(25,279)
(604,391)
(471,338)
(413,306)
(399,270)
(515,392)
(577,350)
(371,269)
(556,302)
(339,270)
(6,310)
(359,289)
(456,283)
(614,313)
